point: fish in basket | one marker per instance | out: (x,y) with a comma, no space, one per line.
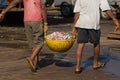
(60,41)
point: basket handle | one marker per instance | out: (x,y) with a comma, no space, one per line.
(74,35)
(45,33)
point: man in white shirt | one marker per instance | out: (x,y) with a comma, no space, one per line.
(86,24)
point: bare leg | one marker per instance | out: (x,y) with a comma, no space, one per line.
(79,55)
(36,61)
(96,54)
(34,56)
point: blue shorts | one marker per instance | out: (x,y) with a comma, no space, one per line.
(88,35)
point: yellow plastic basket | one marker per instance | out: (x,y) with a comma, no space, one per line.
(60,45)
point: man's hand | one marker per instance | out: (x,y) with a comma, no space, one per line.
(74,30)
(45,27)
(116,24)
(1,17)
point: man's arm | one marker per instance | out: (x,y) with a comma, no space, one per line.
(11,5)
(44,14)
(76,16)
(116,22)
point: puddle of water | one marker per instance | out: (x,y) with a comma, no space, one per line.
(114,63)
(111,58)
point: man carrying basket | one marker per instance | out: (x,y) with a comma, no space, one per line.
(35,23)
(86,24)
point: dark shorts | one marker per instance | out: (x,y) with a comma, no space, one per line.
(34,33)
(88,35)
